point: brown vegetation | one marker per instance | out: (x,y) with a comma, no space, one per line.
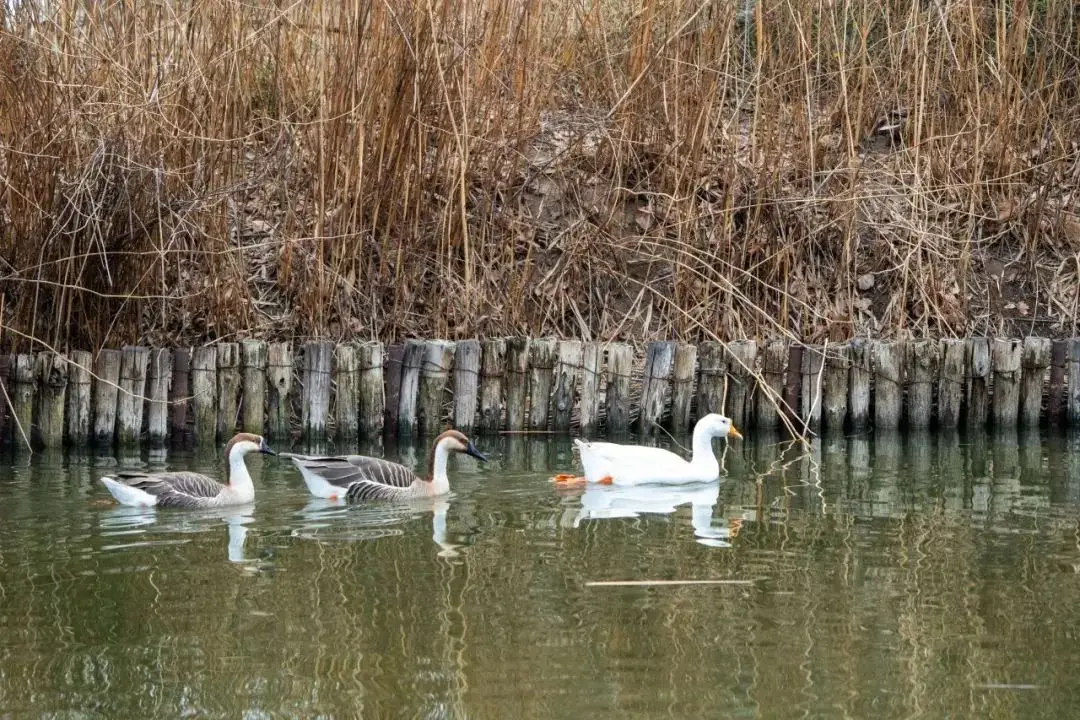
(178,172)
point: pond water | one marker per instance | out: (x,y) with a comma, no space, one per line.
(926,576)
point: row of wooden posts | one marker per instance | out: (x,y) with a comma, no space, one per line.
(361,390)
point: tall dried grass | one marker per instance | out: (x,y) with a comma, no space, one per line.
(186,170)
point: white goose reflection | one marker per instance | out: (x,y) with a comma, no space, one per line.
(325,519)
(127,527)
(602,502)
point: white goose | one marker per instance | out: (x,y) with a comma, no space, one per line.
(360,477)
(615,464)
(190,489)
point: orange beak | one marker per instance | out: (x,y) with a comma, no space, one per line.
(733,433)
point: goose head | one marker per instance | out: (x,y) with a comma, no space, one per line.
(716,425)
(453,441)
(244,443)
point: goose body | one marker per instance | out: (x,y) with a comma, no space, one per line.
(618,464)
(357,478)
(190,489)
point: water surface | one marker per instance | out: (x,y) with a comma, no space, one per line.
(924,577)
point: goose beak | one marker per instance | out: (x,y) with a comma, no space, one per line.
(733,433)
(471,450)
(264,448)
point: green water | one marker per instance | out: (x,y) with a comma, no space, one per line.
(925,577)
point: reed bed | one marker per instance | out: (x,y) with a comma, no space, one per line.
(179,172)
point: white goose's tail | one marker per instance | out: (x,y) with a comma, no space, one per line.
(127,495)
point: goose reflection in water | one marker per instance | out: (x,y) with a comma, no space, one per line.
(325,519)
(602,502)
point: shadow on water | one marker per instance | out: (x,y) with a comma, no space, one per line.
(889,576)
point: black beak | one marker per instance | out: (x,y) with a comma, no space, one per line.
(264,448)
(471,450)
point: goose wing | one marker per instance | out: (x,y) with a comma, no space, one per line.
(174,489)
(628,454)
(360,476)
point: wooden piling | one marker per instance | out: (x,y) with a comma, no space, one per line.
(228,388)
(204,394)
(315,395)
(517,367)
(77,410)
(682,387)
(620,364)
(52,377)
(395,359)
(22,400)
(1034,361)
(372,390)
(134,363)
(859,384)
(793,382)
(566,381)
(834,401)
(589,403)
(157,407)
(978,384)
(434,377)
(346,394)
(543,356)
(741,362)
(769,393)
(951,382)
(466,384)
(106,388)
(1073,403)
(659,359)
(492,368)
(813,386)
(1056,400)
(923,358)
(181,389)
(712,378)
(1006,356)
(253,395)
(279,376)
(888,385)
(5,397)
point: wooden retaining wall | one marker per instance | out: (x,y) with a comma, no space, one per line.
(347,391)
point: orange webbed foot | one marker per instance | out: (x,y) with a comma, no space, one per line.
(606,480)
(568,479)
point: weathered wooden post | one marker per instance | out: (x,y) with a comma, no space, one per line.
(77,412)
(1006,400)
(181,389)
(372,398)
(5,397)
(923,359)
(951,382)
(204,394)
(493,366)
(659,359)
(157,409)
(978,386)
(22,400)
(620,363)
(771,387)
(1056,401)
(106,389)
(589,403)
(888,385)
(395,360)
(517,366)
(228,382)
(347,395)
(543,356)
(1074,383)
(466,384)
(834,403)
(253,398)
(712,378)
(1035,359)
(566,381)
(434,377)
(682,386)
(859,385)
(52,374)
(134,363)
(793,383)
(813,386)
(315,396)
(279,374)
(741,361)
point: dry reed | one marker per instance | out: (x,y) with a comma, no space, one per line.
(182,171)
